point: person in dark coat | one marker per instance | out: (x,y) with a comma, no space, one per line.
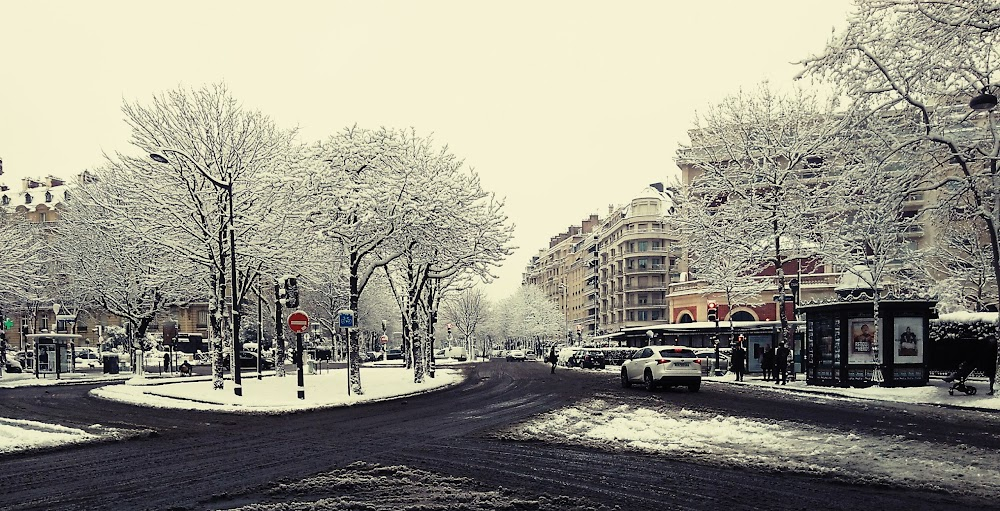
(767,362)
(738,360)
(781,363)
(553,359)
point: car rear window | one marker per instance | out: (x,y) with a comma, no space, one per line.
(677,353)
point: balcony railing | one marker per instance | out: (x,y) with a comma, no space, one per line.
(655,267)
(648,286)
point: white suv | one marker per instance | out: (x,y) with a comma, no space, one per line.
(663,365)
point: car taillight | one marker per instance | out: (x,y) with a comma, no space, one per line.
(662,361)
(697,361)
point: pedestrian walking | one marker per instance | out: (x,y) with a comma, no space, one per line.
(767,362)
(738,364)
(552,359)
(781,363)
(166,362)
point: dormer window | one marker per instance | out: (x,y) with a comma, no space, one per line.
(27,198)
(65,194)
(5,200)
(48,196)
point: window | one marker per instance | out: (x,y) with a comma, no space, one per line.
(42,217)
(48,196)
(643,246)
(202,321)
(5,200)
(27,198)
(642,316)
(44,323)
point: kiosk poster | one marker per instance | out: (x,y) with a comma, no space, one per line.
(861,341)
(908,335)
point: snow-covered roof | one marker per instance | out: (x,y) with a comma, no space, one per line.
(34,192)
(969,317)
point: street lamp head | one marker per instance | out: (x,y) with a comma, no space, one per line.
(986,100)
(159,158)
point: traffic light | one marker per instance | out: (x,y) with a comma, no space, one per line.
(288,294)
(713,311)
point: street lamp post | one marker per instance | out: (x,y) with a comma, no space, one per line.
(226,186)
(794,286)
(569,335)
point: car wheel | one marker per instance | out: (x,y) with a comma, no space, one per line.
(625,382)
(693,387)
(648,382)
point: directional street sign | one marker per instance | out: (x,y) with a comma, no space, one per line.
(298,322)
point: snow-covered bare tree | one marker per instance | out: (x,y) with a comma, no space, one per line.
(209,173)
(21,261)
(111,265)
(766,154)
(454,228)
(933,66)
(467,311)
(722,252)
(366,196)
(524,317)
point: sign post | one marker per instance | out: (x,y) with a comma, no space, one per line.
(298,322)
(346,321)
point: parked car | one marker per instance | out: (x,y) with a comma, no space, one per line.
(248,360)
(708,355)
(515,356)
(591,358)
(457,353)
(11,365)
(87,359)
(666,366)
(530,356)
(617,356)
(394,355)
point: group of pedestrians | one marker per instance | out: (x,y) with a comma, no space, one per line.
(773,362)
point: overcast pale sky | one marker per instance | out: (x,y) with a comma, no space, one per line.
(563,107)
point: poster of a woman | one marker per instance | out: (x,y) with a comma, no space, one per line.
(908,335)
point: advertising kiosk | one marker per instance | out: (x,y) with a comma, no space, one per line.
(847,347)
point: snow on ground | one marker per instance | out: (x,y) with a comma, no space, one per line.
(267,395)
(17,435)
(782,445)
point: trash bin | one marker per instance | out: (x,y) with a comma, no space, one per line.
(310,366)
(111,365)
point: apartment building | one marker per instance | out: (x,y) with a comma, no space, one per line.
(566,272)
(611,273)
(638,260)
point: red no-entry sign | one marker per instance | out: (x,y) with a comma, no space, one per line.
(298,322)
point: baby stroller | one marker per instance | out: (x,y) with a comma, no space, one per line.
(957,379)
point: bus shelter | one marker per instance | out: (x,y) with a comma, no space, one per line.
(53,353)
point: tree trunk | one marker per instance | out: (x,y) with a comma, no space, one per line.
(353,353)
